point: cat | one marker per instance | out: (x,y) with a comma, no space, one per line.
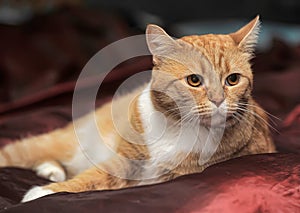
(197,110)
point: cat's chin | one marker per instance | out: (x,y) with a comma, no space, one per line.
(218,123)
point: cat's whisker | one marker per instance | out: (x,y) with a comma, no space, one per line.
(177,108)
(178,111)
(253,113)
(261,119)
(258,117)
(190,115)
(200,107)
(242,118)
(269,114)
(185,111)
(181,121)
(200,110)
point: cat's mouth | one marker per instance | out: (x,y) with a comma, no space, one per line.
(218,120)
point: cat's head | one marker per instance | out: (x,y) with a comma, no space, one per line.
(202,75)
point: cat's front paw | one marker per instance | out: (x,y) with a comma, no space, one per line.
(51,171)
(36,192)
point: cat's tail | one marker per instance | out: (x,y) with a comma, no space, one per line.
(26,153)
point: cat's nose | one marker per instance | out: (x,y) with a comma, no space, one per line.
(218,101)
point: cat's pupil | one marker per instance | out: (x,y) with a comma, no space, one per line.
(233,78)
(195,78)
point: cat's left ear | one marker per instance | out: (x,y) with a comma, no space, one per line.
(246,38)
(159,42)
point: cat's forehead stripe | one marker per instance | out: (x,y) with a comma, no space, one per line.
(213,47)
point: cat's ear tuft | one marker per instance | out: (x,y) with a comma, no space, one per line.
(159,42)
(247,37)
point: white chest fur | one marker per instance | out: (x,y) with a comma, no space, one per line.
(168,144)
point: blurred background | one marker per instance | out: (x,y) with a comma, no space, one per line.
(45,44)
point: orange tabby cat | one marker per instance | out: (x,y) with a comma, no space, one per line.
(197,110)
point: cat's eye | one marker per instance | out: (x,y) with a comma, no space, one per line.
(232,79)
(194,80)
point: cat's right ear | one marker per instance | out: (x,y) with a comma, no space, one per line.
(159,42)
(246,38)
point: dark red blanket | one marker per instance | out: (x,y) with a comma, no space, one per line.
(39,64)
(261,183)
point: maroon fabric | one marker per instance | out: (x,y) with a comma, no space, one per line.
(39,64)
(259,183)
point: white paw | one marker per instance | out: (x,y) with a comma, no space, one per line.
(36,192)
(51,172)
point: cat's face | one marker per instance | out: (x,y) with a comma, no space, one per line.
(202,76)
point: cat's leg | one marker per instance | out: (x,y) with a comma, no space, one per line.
(51,170)
(91,179)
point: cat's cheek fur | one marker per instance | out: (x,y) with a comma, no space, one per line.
(36,192)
